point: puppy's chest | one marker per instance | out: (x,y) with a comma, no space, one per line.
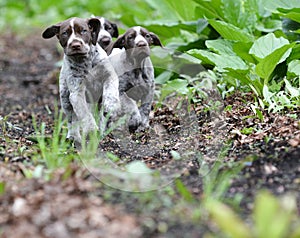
(135,77)
(80,67)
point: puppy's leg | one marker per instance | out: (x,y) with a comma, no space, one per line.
(148,93)
(78,101)
(108,79)
(130,109)
(73,124)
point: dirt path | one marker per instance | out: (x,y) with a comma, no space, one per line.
(75,207)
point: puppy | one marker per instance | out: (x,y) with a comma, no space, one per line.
(86,74)
(129,55)
(108,30)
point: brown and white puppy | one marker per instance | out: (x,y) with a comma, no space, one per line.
(86,74)
(108,30)
(129,55)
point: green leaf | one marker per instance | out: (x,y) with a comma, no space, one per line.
(294,67)
(269,25)
(171,29)
(112,157)
(267,65)
(185,193)
(230,32)
(138,167)
(222,62)
(209,9)
(295,92)
(184,12)
(273,5)
(266,45)
(267,94)
(220,46)
(271,218)
(227,220)
(176,85)
(242,50)
(242,14)
(2,187)
(295,55)
(244,77)
(247,130)
(175,155)
(293,14)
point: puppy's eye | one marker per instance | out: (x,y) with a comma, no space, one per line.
(148,36)
(64,34)
(130,37)
(84,31)
(108,28)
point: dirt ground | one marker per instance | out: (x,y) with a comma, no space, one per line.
(74,207)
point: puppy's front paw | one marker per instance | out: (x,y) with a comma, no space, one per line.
(134,122)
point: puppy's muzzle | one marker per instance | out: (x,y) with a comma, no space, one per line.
(105,41)
(76,48)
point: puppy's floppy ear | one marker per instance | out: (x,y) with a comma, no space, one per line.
(115,30)
(51,31)
(155,39)
(119,43)
(94,24)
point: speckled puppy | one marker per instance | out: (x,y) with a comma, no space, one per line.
(86,75)
(129,55)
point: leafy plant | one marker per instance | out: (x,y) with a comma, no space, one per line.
(271,217)
(55,150)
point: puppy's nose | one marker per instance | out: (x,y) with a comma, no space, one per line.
(75,45)
(105,41)
(141,44)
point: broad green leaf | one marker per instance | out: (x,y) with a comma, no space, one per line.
(293,14)
(172,29)
(266,45)
(267,65)
(162,9)
(220,46)
(242,14)
(273,5)
(242,50)
(184,11)
(227,221)
(222,62)
(163,77)
(230,32)
(269,25)
(209,9)
(294,67)
(295,55)
(244,77)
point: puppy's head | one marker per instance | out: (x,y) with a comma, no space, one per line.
(136,41)
(75,35)
(108,30)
